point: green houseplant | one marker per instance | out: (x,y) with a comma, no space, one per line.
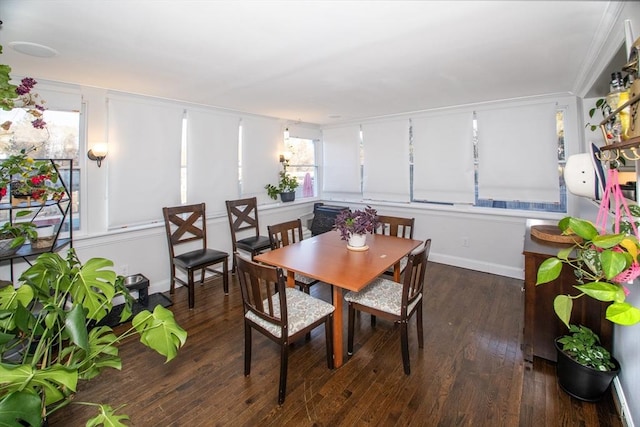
(17,233)
(49,341)
(286,186)
(602,263)
(29,178)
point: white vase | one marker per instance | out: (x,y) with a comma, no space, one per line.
(357,240)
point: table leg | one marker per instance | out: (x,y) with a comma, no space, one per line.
(291,279)
(337,327)
(396,272)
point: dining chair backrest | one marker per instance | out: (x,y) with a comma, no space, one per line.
(181,228)
(263,291)
(285,233)
(243,215)
(395,226)
(414,274)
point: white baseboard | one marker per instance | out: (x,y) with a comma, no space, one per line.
(621,404)
(485,267)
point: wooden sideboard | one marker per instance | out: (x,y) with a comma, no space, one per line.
(541,325)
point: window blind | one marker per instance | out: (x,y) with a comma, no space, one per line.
(261,141)
(386,161)
(212,159)
(443,158)
(518,153)
(341,159)
(143,165)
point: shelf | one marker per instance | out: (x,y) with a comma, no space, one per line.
(629,143)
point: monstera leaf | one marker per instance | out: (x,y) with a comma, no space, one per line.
(160,331)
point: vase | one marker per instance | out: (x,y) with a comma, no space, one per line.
(5,249)
(357,240)
(583,382)
(288,196)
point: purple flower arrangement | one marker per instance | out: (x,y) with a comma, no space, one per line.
(356,222)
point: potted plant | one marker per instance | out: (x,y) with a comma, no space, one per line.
(354,225)
(286,186)
(49,341)
(14,235)
(602,263)
(29,179)
(585,368)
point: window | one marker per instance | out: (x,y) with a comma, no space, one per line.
(60,140)
(302,165)
(560,206)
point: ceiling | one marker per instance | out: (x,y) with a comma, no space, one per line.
(312,61)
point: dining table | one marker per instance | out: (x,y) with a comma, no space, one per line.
(326,258)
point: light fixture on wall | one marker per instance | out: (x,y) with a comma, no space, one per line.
(98,152)
(285,157)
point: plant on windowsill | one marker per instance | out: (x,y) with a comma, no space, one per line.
(286,186)
(49,341)
(354,225)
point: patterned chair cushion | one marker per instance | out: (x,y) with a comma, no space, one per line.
(382,294)
(302,310)
(304,279)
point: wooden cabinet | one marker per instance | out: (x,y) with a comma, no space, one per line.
(541,325)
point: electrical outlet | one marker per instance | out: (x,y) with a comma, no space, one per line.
(465,242)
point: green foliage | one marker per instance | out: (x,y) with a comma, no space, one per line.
(286,184)
(582,345)
(18,231)
(48,341)
(597,261)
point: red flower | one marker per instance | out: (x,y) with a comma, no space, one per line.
(3,192)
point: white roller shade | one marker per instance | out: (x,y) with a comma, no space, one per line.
(443,158)
(261,142)
(518,153)
(341,159)
(386,161)
(212,159)
(143,161)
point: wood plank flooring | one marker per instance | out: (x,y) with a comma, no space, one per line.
(470,373)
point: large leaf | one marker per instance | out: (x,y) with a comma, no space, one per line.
(581,227)
(76,328)
(630,244)
(160,331)
(57,381)
(20,405)
(102,353)
(607,241)
(602,291)
(107,417)
(562,305)
(623,313)
(10,297)
(93,287)
(613,263)
(549,270)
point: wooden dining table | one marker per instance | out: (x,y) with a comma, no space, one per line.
(325,257)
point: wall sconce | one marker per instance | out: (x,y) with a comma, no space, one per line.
(98,152)
(285,157)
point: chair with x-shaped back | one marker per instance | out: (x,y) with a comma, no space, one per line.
(188,225)
(243,219)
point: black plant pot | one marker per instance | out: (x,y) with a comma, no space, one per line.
(583,382)
(288,196)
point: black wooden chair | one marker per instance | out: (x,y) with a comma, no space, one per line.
(243,219)
(282,314)
(286,233)
(394,301)
(396,226)
(188,224)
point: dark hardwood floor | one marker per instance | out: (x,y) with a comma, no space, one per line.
(470,373)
